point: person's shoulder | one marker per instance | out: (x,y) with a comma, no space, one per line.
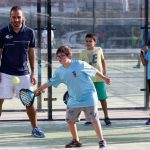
(28,29)
(4,28)
(84,51)
(79,62)
(98,49)
(59,69)
(76,61)
(4,31)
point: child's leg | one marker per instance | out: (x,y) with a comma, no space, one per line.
(73,130)
(91,114)
(72,116)
(75,138)
(97,127)
(104,107)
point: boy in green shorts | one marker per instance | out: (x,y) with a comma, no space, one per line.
(94,56)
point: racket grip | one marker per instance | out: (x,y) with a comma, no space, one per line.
(37,93)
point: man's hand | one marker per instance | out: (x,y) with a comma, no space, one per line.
(33,79)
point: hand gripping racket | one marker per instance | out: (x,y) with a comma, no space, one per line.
(27,97)
(65,97)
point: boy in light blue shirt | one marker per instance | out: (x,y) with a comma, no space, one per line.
(76,75)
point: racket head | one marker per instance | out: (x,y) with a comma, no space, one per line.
(27,97)
(65,97)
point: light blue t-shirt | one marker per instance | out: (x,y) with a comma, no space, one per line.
(77,78)
(147,58)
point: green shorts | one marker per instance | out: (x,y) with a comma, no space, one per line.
(101,90)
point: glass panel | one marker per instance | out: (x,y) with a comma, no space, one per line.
(117,24)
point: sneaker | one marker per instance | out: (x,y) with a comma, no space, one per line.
(37,132)
(74,143)
(107,121)
(137,66)
(87,123)
(102,144)
(148,122)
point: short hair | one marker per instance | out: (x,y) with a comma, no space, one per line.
(65,49)
(91,35)
(15,8)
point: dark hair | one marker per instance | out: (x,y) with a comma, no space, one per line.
(15,8)
(64,49)
(91,35)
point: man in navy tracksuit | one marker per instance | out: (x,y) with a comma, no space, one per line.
(17,46)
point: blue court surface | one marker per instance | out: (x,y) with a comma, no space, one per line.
(121,135)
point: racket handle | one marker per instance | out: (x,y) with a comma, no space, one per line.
(37,93)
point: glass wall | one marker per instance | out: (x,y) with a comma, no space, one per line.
(116,22)
(117,25)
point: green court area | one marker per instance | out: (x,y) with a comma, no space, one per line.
(122,135)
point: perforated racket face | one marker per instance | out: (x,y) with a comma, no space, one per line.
(26,96)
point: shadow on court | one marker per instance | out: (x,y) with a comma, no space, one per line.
(122,135)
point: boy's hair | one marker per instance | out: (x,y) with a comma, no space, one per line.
(66,50)
(91,35)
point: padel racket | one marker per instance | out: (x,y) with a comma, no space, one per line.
(65,97)
(27,97)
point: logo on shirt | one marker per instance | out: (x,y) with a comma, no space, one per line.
(74,73)
(8,36)
(92,59)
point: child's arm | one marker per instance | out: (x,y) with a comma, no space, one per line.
(144,62)
(106,79)
(142,54)
(41,88)
(104,67)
